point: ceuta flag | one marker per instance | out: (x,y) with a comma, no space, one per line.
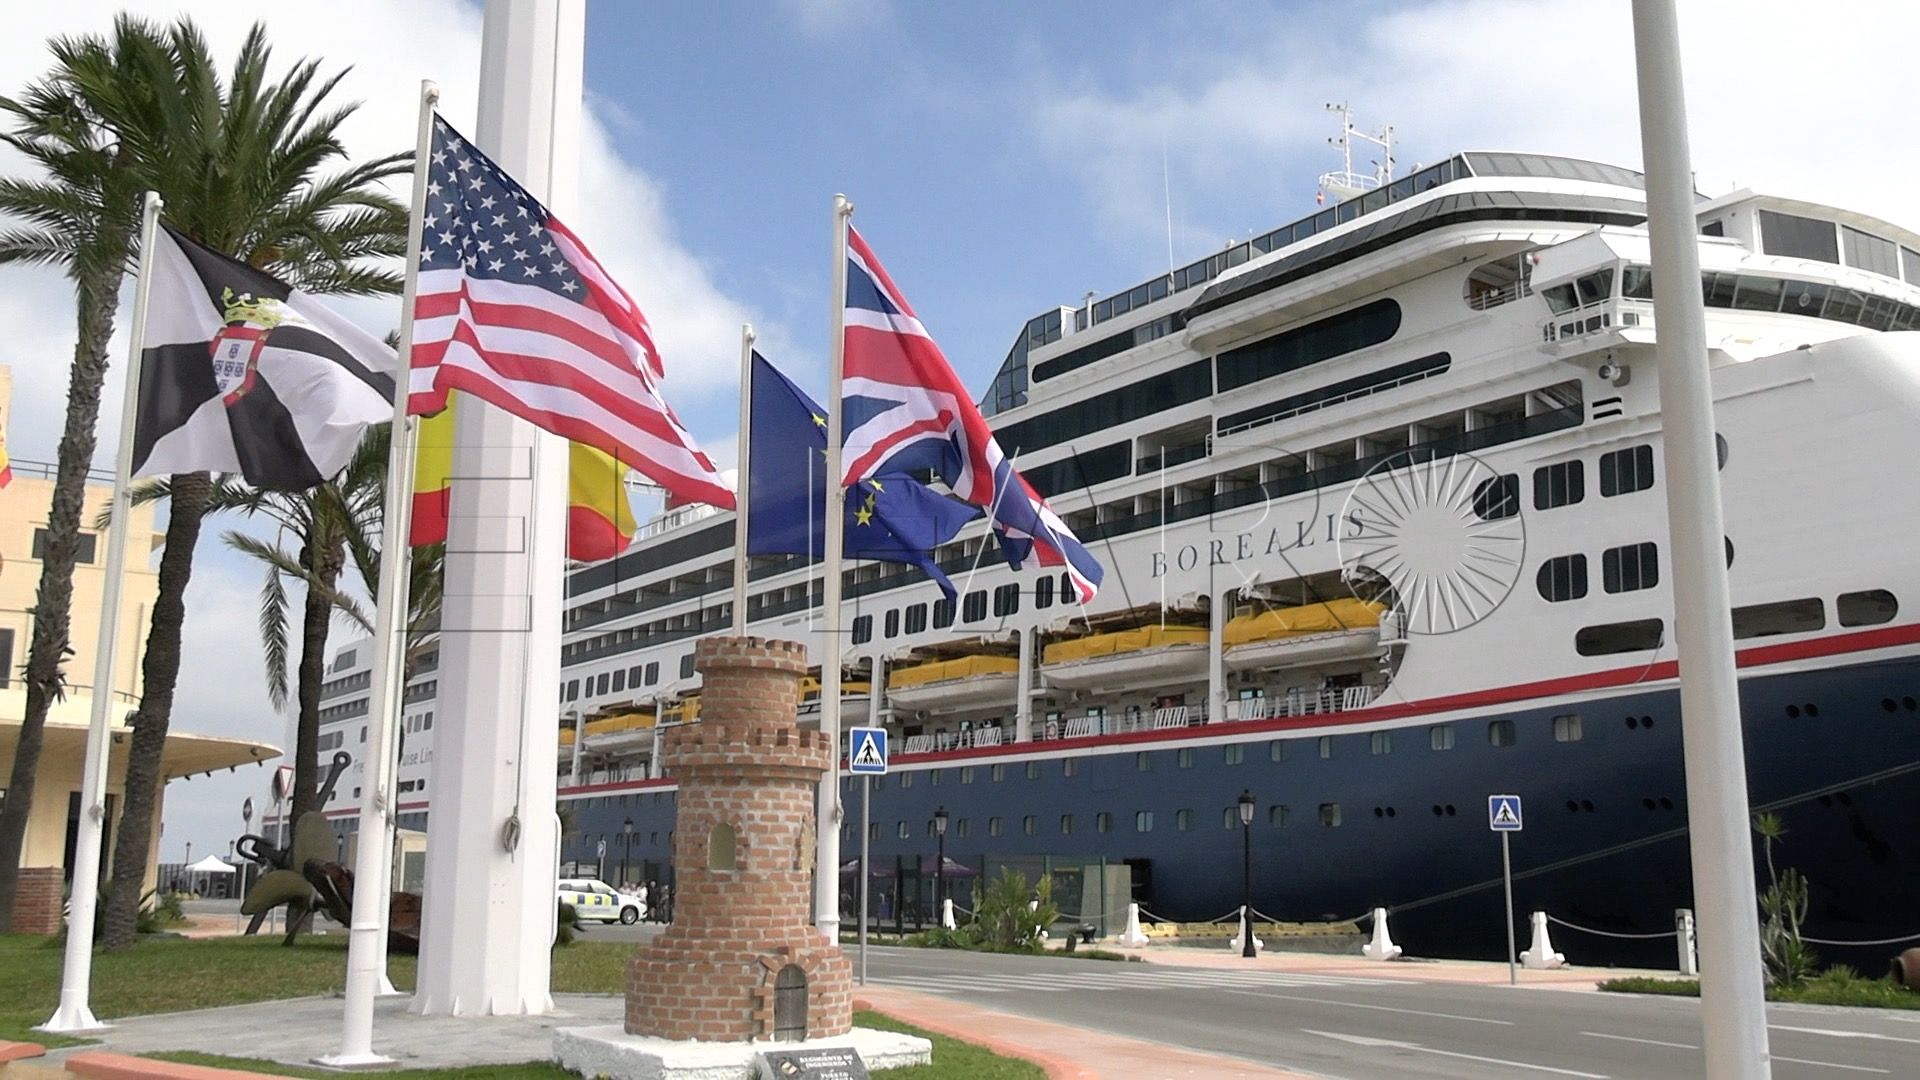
(600,521)
(513,309)
(242,373)
(906,411)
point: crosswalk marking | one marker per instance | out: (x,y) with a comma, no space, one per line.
(1058,982)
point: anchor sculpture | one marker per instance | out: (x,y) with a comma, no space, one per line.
(305,877)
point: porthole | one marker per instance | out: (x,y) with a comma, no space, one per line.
(1450,810)
(1572,807)
(1811,709)
(1648,803)
(1437,811)
(1587,805)
(1889,704)
(1907,703)
(1633,722)
(1646,721)
(1390,812)
(1793,712)
(1666,803)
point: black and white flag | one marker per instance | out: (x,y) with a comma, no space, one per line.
(241,373)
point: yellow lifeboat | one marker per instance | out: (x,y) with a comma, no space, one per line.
(856,700)
(1127,659)
(1303,634)
(624,731)
(951,685)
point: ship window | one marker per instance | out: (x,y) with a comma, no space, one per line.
(1869,608)
(862,629)
(916,618)
(993,826)
(1324,339)
(1069,767)
(1230,818)
(1236,753)
(1636,282)
(1910,265)
(1142,761)
(1182,820)
(1870,252)
(997,773)
(1560,298)
(1500,733)
(873,831)
(1625,471)
(1006,600)
(603,683)
(1440,736)
(1804,298)
(1595,287)
(1033,770)
(1567,728)
(942,614)
(1043,591)
(963,826)
(1277,815)
(1143,821)
(1277,750)
(1497,497)
(620,680)
(893,623)
(1066,587)
(1186,757)
(1382,742)
(905,831)
(573,689)
(1630,568)
(1066,824)
(966,774)
(974,607)
(1609,639)
(1563,577)
(1560,484)
(1798,237)
(1103,822)
(686,666)
(1782,617)
(653,673)
(1330,814)
(1326,747)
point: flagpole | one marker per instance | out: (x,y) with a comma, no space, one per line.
(369,905)
(740,482)
(826,867)
(75,1013)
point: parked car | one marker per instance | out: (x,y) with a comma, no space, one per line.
(598,901)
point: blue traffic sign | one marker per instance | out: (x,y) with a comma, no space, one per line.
(1503,813)
(868,750)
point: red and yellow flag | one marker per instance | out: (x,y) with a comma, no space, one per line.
(600,521)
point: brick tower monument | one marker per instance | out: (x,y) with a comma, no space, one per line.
(742,960)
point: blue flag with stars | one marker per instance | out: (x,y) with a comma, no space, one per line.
(891,518)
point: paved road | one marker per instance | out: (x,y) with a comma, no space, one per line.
(1378,1029)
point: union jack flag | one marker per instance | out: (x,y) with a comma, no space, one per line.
(906,411)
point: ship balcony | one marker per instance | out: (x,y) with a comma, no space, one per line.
(1302,703)
(986,735)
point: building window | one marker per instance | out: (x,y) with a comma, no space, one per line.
(1236,753)
(1326,747)
(1186,757)
(1182,820)
(1623,472)
(1500,732)
(942,614)
(1560,484)
(1630,568)
(1103,822)
(1609,639)
(1330,814)
(1143,821)
(862,629)
(1497,497)
(1563,577)
(993,826)
(1277,815)
(916,618)
(892,622)
(1382,742)
(83,551)
(1567,728)
(1006,600)
(1440,736)
(1066,824)
(974,607)
(1869,608)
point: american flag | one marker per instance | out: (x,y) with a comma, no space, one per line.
(512,308)
(908,412)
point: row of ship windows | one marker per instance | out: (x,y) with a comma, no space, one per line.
(1870,607)
(972,608)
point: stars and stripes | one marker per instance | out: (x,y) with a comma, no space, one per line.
(906,411)
(512,308)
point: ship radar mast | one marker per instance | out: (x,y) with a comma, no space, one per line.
(1346,183)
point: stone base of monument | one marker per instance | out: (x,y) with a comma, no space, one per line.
(612,1053)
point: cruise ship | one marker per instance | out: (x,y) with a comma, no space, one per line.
(1380,497)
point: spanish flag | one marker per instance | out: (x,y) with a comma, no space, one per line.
(600,522)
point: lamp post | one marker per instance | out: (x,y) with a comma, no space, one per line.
(626,849)
(940,865)
(1246,873)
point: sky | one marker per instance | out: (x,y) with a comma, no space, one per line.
(1002,158)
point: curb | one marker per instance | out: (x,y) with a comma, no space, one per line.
(15,1051)
(1056,1068)
(101,1065)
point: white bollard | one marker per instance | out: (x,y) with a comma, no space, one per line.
(1236,944)
(1382,946)
(1541,955)
(946,913)
(1689,945)
(1133,937)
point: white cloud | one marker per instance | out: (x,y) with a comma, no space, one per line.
(831,18)
(1778,100)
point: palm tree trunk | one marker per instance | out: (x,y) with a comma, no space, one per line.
(160,671)
(324,561)
(97,296)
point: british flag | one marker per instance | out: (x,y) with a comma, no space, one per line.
(906,411)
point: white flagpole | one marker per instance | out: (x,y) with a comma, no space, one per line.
(826,869)
(397,673)
(75,1013)
(370,904)
(740,483)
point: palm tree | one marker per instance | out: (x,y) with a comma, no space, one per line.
(79,215)
(240,165)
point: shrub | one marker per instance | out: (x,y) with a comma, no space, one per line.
(1014,917)
(964,937)
(570,927)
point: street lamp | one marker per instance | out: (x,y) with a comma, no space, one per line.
(940,864)
(1247,802)
(626,850)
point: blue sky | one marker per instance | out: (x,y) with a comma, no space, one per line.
(1003,158)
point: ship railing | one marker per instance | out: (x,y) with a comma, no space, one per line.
(917,744)
(986,736)
(1506,294)
(1171,717)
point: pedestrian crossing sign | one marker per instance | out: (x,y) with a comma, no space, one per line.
(868,750)
(1503,813)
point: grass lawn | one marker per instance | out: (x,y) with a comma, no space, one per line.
(172,974)
(1821,990)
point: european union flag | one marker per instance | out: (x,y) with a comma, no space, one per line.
(891,518)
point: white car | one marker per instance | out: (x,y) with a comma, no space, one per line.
(598,901)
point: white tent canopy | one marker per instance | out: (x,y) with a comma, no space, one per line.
(212,864)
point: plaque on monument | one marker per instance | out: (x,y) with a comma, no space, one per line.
(823,1063)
